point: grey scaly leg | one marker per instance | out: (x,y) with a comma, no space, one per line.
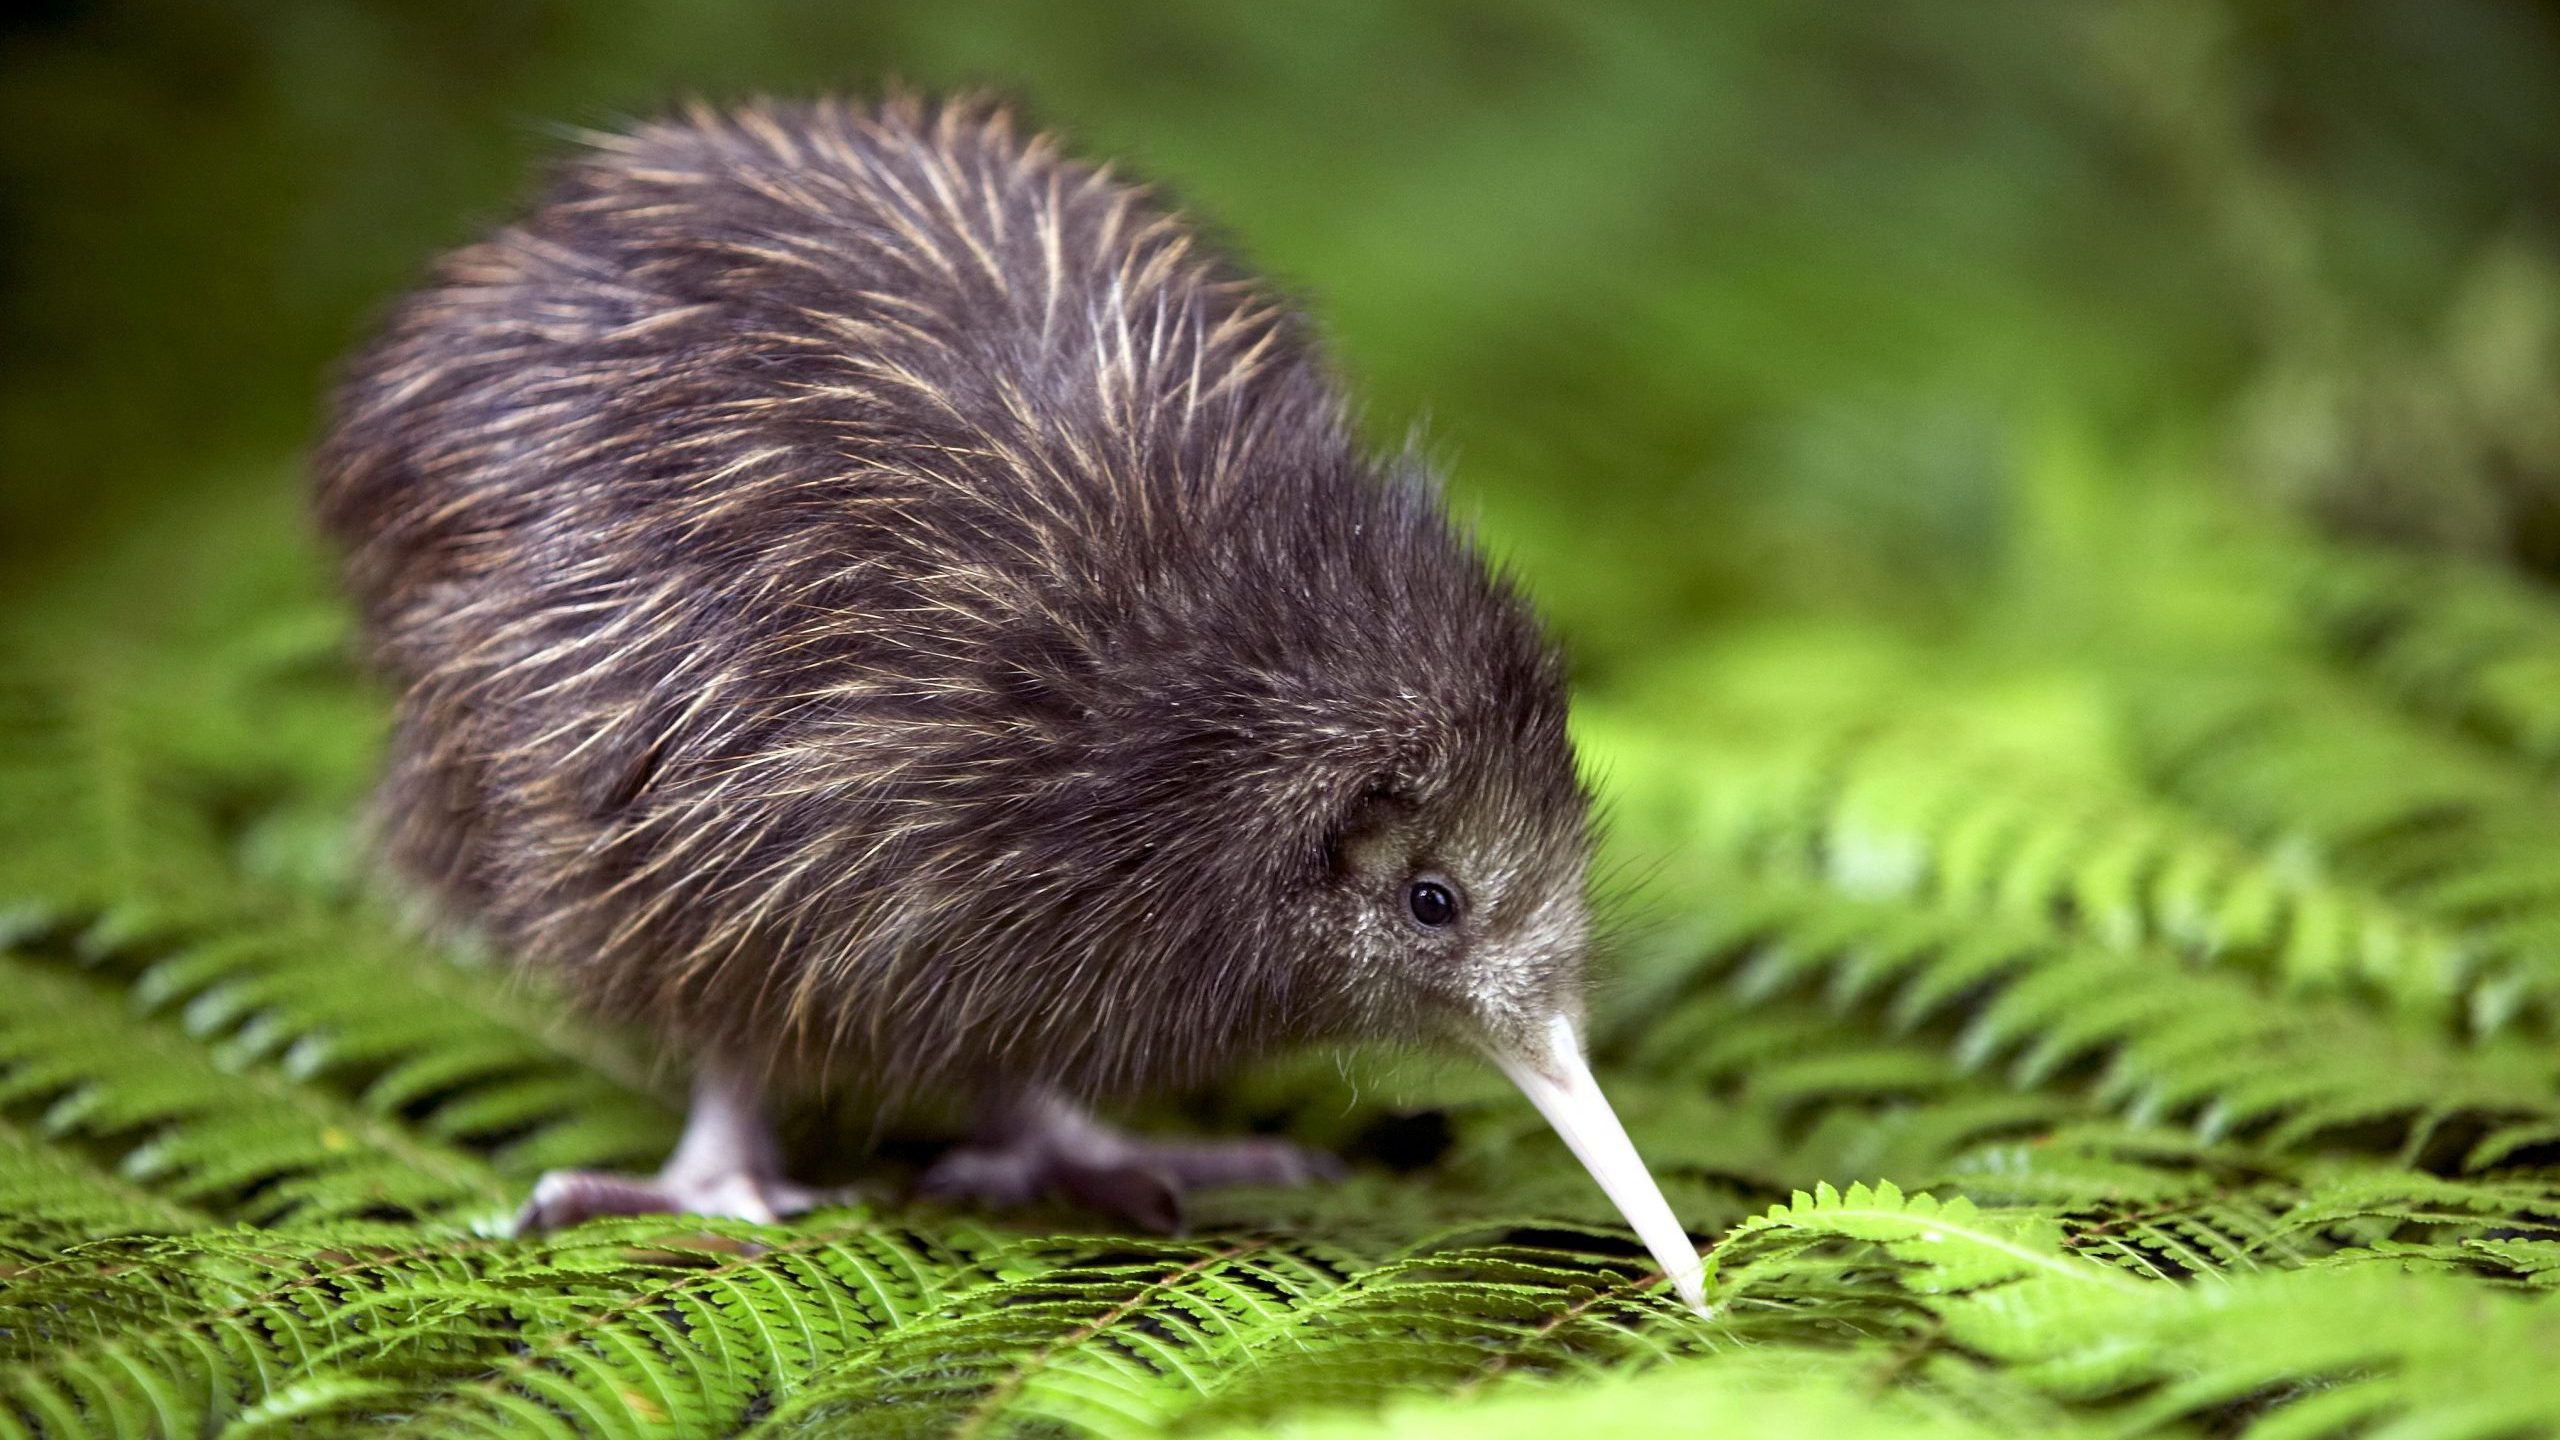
(727,1164)
(1035,1142)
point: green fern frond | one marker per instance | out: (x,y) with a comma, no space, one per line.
(52,1193)
(1747,1393)
(2156,1050)
(2312,1353)
(2451,829)
(2318,1350)
(232,1140)
(1912,813)
(2133,1030)
(2472,646)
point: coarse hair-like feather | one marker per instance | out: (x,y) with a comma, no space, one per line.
(869,590)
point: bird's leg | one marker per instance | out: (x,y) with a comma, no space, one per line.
(1035,1142)
(728,1163)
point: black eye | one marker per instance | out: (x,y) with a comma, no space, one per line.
(1431,903)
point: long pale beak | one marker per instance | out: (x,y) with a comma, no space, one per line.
(1559,1083)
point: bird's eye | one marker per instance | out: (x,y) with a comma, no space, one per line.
(1432,903)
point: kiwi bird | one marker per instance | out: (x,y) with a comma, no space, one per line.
(873,597)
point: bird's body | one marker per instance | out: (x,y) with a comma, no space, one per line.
(872,596)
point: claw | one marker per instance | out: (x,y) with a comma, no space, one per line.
(1041,1144)
(564,1197)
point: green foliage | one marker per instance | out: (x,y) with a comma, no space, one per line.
(2178,1033)
(2086,954)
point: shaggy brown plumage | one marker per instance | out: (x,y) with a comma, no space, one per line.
(870,592)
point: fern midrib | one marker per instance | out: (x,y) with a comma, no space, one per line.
(495,1387)
(979,1416)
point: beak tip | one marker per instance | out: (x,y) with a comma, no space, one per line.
(1557,1079)
(1689,1283)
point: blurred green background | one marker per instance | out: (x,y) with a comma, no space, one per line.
(1712,308)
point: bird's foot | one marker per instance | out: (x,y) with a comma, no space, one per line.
(565,1197)
(1046,1146)
(726,1165)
